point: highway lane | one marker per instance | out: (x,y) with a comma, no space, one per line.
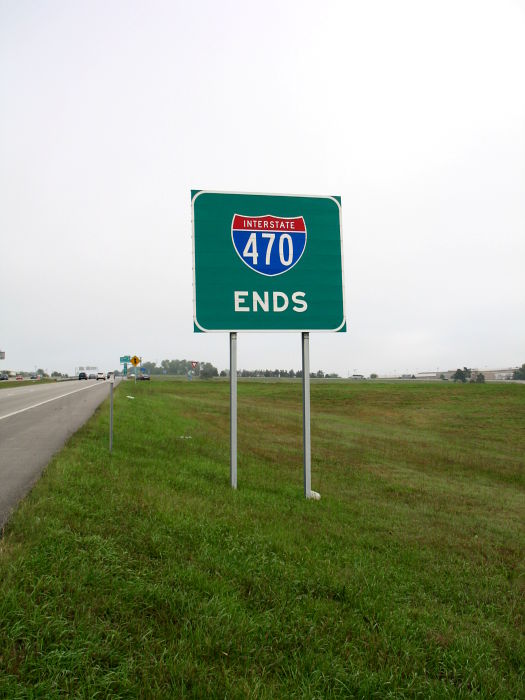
(17,398)
(35,422)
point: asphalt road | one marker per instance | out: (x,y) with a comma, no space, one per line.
(35,422)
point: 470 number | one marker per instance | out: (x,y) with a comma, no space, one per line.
(285,247)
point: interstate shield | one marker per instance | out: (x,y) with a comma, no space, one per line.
(270,245)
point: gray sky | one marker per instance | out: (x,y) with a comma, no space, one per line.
(413,112)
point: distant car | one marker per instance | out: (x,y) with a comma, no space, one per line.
(143,378)
(19,378)
(101,375)
(82,375)
(92,376)
(34,376)
(3,377)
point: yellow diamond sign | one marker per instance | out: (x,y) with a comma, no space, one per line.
(135,360)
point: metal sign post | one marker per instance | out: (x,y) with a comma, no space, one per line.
(233,410)
(111,382)
(307,459)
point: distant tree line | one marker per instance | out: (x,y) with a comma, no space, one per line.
(286,373)
(182,367)
(168,367)
(205,370)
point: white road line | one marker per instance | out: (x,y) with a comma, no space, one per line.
(55,398)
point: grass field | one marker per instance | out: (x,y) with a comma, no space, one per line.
(142,574)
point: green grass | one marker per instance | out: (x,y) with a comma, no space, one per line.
(142,574)
(25,382)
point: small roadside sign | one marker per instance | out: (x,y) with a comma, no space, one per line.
(194,364)
(135,361)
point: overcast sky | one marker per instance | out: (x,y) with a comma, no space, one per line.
(412,112)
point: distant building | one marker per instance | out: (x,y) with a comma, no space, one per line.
(495,375)
(491,375)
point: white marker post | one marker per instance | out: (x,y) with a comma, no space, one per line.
(233,410)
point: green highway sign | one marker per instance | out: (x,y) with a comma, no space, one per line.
(124,358)
(264,262)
